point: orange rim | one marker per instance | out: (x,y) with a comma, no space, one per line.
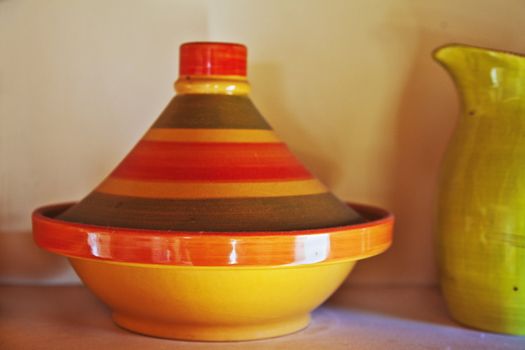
(274,248)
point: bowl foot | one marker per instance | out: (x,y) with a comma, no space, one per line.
(207,332)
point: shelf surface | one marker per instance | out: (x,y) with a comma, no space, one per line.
(69,317)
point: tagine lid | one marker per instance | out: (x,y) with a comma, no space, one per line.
(211,162)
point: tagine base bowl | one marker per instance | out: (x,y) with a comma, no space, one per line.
(213,286)
(211,303)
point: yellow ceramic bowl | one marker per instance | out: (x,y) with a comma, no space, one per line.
(211,303)
(212,285)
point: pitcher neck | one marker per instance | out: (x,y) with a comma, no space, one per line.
(483,75)
(212,68)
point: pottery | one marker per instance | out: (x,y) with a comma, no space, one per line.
(210,228)
(211,162)
(481,224)
(213,286)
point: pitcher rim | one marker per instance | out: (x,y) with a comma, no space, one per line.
(461,45)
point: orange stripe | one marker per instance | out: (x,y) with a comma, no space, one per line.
(195,190)
(211,161)
(210,135)
(275,248)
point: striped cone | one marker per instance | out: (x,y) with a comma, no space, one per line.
(210,162)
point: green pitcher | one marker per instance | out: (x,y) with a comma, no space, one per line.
(481,208)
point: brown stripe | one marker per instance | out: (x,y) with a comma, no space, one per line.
(232,214)
(211,112)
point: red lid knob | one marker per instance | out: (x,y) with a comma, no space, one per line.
(212,58)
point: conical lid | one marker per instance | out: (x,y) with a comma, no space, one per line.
(210,162)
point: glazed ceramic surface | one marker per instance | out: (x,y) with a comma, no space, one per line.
(212,303)
(482,191)
(210,228)
(213,286)
(185,248)
(211,163)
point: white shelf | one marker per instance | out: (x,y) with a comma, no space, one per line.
(355,318)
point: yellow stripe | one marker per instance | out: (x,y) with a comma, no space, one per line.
(211,135)
(221,85)
(189,190)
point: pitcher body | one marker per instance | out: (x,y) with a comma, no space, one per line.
(481,206)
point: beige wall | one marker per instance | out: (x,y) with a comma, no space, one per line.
(350,85)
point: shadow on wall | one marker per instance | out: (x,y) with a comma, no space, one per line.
(425,120)
(269,96)
(424,304)
(22,261)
